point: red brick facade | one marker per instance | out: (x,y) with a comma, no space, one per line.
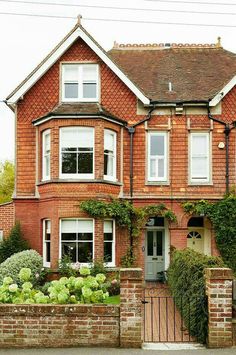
(7,217)
(55,199)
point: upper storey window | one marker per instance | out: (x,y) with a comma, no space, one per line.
(157,156)
(109,155)
(200,157)
(46,154)
(77,152)
(79,82)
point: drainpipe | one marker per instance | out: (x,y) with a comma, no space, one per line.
(131,130)
(227,131)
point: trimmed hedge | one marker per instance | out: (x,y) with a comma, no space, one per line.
(25,259)
(187,285)
(13,244)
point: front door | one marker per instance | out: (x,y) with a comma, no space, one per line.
(154,258)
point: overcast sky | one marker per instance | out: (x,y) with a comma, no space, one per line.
(25,41)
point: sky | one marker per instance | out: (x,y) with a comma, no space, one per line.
(25,40)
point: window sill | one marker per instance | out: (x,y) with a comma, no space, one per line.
(93,181)
(200,183)
(157,183)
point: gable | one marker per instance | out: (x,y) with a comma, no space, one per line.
(77,32)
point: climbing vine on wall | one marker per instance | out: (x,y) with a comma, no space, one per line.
(222,214)
(125,214)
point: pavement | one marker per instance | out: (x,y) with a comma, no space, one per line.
(108,351)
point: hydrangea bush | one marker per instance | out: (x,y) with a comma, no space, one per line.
(25,259)
(77,290)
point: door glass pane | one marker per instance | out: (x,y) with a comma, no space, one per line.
(150,244)
(159,243)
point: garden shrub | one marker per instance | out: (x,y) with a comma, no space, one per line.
(187,285)
(14,243)
(28,259)
(75,290)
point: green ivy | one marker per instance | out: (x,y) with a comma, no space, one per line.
(222,214)
(125,214)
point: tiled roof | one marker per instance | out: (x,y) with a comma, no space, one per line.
(196,72)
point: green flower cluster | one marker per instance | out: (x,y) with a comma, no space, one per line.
(89,289)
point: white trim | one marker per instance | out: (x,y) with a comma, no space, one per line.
(224,91)
(46,177)
(45,263)
(46,119)
(111,177)
(76,176)
(113,262)
(156,178)
(207,180)
(78,32)
(77,219)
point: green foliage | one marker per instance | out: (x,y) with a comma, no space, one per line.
(222,214)
(97,267)
(13,244)
(6,181)
(125,214)
(76,290)
(187,284)
(128,259)
(25,259)
(66,267)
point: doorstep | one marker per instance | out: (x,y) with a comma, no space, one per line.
(172,346)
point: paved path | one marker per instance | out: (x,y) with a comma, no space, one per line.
(99,351)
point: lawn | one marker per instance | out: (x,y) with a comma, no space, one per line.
(113,300)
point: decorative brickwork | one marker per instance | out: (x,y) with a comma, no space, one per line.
(7,217)
(130,308)
(219,292)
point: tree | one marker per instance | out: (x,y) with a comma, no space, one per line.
(6,181)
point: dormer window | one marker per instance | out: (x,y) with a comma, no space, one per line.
(79,82)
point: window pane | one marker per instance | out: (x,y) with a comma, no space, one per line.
(71,90)
(199,145)
(89,90)
(153,172)
(85,137)
(161,172)
(109,141)
(48,253)
(90,72)
(68,236)
(108,252)
(47,237)
(196,222)
(157,145)
(108,226)
(69,249)
(69,137)
(47,143)
(85,252)
(85,236)
(69,163)
(108,236)
(200,167)
(68,226)
(85,163)
(70,72)
(150,244)
(108,165)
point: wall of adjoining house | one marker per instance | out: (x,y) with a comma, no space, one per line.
(7,217)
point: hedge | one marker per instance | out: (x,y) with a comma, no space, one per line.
(187,285)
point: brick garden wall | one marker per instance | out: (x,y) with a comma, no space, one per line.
(7,217)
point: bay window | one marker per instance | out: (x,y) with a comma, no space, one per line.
(80,82)
(46,154)
(77,239)
(157,156)
(109,242)
(109,155)
(199,157)
(77,152)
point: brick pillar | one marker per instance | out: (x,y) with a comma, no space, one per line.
(130,308)
(219,292)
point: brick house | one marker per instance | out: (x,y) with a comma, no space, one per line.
(149,123)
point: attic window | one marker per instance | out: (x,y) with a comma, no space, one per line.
(79,82)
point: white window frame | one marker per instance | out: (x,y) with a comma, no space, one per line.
(60,241)
(80,83)
(156,178)
(113,262)
(111,177)
(46,177)
(45,262)
(202,180)
(76,175)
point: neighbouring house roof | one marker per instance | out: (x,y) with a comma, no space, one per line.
(197,73)
(73,110)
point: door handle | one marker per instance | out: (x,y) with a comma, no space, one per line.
(154,258)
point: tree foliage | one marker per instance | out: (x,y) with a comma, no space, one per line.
(222,214)
(6,181)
